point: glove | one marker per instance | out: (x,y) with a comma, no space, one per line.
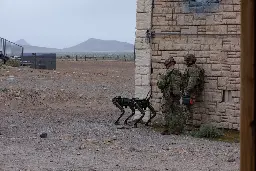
(191,101)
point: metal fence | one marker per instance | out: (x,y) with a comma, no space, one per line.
(39,60)
(123,56)
(10,49)
(2,45)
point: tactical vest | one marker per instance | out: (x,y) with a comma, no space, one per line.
(170,84)
(200,81)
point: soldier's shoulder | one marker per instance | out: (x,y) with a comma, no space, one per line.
(195,68)
(200,69)
(186,70)
(176,72)
(198,66)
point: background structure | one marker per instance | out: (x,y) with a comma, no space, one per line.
(208,29)
(40,60)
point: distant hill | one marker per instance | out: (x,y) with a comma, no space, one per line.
(36,49)
(22,42)
(91,45)
(97,45)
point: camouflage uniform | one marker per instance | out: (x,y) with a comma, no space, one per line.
(170,85)
(191,78)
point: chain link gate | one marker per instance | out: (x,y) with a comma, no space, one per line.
(10,49)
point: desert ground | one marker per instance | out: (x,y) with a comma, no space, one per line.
(73,106)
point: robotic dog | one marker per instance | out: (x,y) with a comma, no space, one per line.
(133,103)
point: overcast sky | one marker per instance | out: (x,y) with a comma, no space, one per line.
(64,23)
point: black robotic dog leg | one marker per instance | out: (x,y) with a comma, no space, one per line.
(154,114)
(142,112)
(122,110)
(133,113)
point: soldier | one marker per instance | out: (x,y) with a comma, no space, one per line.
(170,86)
(193,83)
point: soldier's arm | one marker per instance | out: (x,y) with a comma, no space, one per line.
(192,80)
(161,82)
(176,83)
(183,79)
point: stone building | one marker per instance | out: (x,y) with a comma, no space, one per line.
(210,29)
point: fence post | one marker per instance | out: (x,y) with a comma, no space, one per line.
(34,54)
(4,47)
(1,43)
(22,51)
(85,57)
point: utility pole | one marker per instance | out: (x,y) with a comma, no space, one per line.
(248,113)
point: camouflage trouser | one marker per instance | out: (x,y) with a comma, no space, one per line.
(174,116)
(189,111)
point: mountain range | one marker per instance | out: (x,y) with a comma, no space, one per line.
(91,45)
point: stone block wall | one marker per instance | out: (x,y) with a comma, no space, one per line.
(213,35)
(143,52)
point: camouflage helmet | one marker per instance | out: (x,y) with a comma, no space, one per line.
(190,58)
(169,60)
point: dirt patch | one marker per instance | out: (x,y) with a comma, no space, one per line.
(72,105)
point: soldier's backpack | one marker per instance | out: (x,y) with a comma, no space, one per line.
(200,84)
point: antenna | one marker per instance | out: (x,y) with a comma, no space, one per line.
(147,95)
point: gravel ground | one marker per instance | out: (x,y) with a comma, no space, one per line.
(73,106)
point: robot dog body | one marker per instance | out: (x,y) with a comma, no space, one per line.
(133,104)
